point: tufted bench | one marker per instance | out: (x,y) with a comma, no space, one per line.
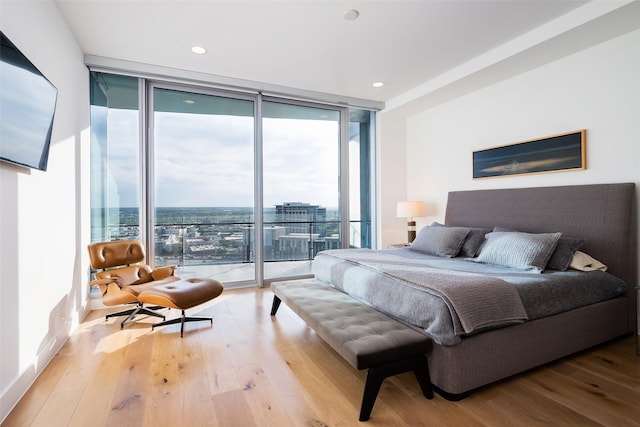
(363,336)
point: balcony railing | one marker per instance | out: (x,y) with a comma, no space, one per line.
(186,244)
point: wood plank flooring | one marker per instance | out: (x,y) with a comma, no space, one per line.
(250,369)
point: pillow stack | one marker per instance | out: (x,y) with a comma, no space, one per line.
(442,240)
(533,252)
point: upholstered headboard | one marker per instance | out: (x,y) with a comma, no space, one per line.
(604,214)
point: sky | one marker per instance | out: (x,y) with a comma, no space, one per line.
(208,160)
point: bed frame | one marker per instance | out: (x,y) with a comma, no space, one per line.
(605,215)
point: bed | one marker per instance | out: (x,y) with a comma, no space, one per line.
(475,347)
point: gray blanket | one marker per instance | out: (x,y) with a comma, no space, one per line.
(394,285)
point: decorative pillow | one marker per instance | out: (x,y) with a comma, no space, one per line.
(566,248)
(472,243)
(441,241)
(523,251)
(584,262)
(561,256)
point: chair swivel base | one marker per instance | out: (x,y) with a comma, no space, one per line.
(182,320)
(182,295)
(139,310)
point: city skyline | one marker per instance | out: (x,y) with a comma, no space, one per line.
(219,235)
(333,208)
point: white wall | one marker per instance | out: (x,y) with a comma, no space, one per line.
(391,180)
(597,89)
(43,221)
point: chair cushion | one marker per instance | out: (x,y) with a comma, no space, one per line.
(131,275)
(139,288)
(181,294)
(114,254)
(135,278)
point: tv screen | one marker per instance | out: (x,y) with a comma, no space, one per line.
(27,107)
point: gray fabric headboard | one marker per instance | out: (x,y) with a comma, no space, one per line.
(604,214)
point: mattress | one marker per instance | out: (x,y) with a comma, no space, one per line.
(403,284)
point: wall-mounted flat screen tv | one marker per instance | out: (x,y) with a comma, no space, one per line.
(27,107)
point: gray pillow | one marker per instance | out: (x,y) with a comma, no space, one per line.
(441,241)
(522,251)
(562,255)
(472,243)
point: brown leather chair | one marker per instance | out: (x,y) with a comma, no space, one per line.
(122,275)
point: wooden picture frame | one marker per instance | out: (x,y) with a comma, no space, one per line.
(555,153)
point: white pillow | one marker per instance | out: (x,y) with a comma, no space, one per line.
(584,262)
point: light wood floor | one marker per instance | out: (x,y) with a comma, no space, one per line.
(250,369)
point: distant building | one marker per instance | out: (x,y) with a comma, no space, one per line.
(302,218)
(306,227)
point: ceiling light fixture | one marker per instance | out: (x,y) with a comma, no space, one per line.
(198,50)
(351,14)
(378,84)
(189,101)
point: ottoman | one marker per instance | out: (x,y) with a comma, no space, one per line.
(182,295)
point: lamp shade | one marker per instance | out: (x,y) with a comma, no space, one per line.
(411,209)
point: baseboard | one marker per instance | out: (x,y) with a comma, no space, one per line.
(12,394)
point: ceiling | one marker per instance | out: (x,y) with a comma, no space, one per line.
(417,48)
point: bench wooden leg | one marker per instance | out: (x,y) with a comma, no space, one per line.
(421,371)
(275,305)
(371,389)
(376,375)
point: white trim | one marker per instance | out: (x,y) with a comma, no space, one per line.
(258,194)
(137,69)
(14,392)
(343,197)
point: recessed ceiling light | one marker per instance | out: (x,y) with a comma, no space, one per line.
(198,50)
(189,101)
(351,14)
(378,84)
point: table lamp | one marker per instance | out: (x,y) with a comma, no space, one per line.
(411,210)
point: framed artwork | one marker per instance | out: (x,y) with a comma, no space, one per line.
(563,152)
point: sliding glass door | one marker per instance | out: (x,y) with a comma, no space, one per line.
(236,186)
(301,186)
(201,165)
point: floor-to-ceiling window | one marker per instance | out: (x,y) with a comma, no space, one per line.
(115,157)
(201,165)
(361,131)
(301,183)
(194,172)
